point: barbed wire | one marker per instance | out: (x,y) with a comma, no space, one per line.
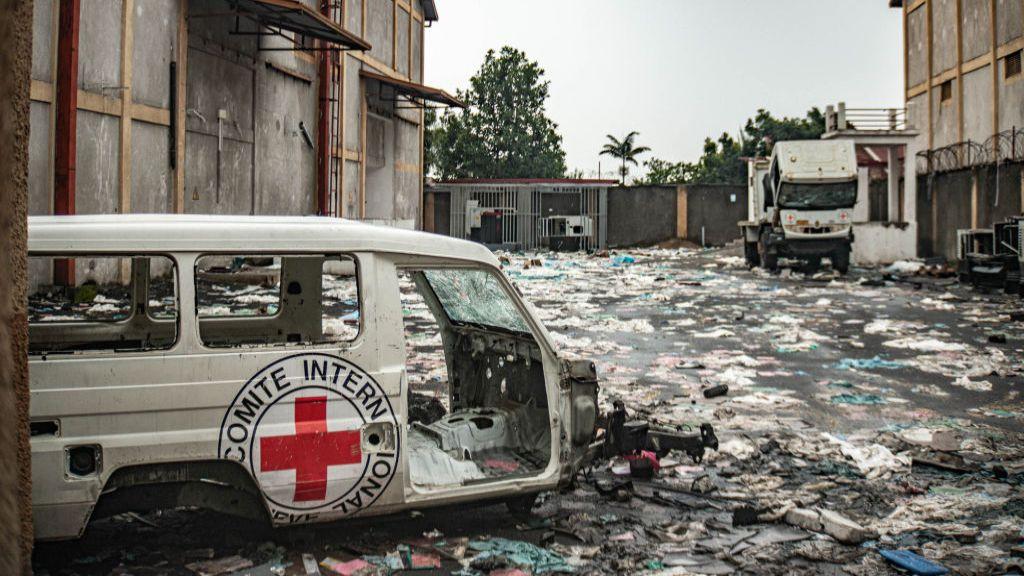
(1006,146)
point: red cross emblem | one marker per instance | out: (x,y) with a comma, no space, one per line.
(311,450)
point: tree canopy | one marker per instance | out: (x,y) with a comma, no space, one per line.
(722,159)
(504,132)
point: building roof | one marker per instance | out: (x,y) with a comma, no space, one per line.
(414,90)
(165,233)
(295,16)
(429,11)
(553,181)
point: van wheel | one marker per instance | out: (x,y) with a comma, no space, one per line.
(751,254)
(521,504)
(841,261)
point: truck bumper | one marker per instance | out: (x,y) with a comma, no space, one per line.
(795,248)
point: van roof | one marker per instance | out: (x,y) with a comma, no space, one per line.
(132,233)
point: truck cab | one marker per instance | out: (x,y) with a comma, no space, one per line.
(801,204)
(291,369)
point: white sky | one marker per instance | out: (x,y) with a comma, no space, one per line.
(677,70)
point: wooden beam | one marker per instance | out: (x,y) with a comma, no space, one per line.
(341,135)
(994,62)
(977,63)
(931,92)
(394,35)
(362,146)
(179,108)
(125,154)
(914,5)
(959,71)
(917,90)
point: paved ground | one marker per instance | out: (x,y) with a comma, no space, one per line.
(841,390)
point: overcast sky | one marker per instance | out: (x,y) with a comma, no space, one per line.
(677,70)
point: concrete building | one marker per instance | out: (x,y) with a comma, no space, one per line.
(962,69)
(230,107)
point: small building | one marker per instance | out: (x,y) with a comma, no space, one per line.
(521,213)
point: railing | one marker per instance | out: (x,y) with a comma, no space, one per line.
(839,118)
(1006,146)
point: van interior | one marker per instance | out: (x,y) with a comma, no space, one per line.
(478,408)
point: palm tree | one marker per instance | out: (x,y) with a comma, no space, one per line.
(624,150)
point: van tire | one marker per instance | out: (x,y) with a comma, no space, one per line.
(522,504)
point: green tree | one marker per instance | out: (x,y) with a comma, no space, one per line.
(625,150)
(664,172)
(763,130)
(504,132)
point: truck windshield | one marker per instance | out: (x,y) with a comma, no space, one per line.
(818,196)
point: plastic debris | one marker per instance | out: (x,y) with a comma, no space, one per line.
(913,563)
(499,552)
(219,566)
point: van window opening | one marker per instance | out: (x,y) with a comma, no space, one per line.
(478,407)
(270,300)
(823,196)
(120,303)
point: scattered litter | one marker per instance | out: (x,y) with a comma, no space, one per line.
(913,563)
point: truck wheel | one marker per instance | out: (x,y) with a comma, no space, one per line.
(811,265)
(841,261)
(751,254)
(769,260)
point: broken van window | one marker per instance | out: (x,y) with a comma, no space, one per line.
(473,296)
(262,300)
(478,407)
(89,302)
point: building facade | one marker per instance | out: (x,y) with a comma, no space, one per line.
(963,69)
(230,107)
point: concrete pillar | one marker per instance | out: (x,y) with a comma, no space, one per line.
(862,209)
(15,474)
(910,181)
(893,194)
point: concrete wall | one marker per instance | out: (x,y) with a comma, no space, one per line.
(944,51)
(948,202)
(978,105)
(641,215)
(917,47)
(715,209)
(976,18)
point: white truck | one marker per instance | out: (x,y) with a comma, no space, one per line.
(800,204)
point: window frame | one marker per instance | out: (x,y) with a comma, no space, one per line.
(537,331)
(1016,55)
(106,352)
(341,344)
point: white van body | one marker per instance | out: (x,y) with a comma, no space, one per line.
(782,218)
(179,425)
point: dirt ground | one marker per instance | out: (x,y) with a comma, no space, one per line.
(875,412)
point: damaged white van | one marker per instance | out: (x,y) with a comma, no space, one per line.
(296,369)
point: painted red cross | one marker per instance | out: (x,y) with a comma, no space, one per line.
(311,450)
